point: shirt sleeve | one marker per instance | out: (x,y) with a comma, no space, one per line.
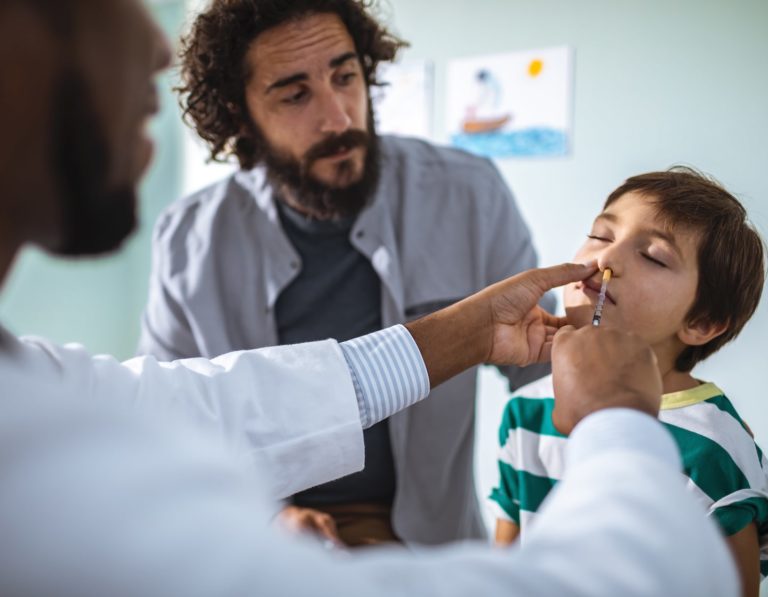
(741,508)
(388,373)
(165,329)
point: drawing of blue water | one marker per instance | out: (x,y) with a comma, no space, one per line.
(525,143)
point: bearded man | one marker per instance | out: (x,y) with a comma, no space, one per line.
(331,231)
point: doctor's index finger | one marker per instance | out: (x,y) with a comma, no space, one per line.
(554,321)
(558,275)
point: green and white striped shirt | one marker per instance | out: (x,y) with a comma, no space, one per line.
(726,471)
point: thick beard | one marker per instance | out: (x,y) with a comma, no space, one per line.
(94,217)
(318,199)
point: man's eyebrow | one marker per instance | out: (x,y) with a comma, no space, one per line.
(286,81)
(295,78)
(339,60)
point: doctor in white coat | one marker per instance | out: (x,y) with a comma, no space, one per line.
(149,478)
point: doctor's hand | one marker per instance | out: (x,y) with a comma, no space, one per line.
(299,520)
(501,324)
(522,330)
(596,368)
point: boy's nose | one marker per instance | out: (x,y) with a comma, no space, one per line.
(609,259)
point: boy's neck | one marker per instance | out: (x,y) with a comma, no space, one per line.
(677,381)
(673,380)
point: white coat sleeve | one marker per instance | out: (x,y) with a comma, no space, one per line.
(100,503)
(291,410)
(619,523)
(296,411)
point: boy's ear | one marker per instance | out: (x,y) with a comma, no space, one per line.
(698,333)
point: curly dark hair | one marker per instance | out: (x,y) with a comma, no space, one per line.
(214,73)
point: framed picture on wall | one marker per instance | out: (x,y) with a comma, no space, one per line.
(516,104)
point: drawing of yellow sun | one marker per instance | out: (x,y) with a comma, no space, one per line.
(535,67)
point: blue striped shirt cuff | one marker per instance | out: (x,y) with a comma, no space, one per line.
(388,373)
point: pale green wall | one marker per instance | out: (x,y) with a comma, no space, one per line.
(98,302)
(657,82)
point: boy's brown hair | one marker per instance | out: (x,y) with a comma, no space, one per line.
(731,258)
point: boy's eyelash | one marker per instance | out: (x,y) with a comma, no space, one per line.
(656,261)
(645,255)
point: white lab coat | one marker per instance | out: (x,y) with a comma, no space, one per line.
(232,396)
(98,499)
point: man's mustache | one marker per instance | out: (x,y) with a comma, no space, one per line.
(336,144)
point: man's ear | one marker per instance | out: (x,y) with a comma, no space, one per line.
(699,332)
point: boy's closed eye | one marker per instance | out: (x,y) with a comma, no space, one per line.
(655,261)
(651,255)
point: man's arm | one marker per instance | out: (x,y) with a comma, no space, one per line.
(621,521)
(144,508)
(299,410)
(506,532)
(501,324)
(745,547)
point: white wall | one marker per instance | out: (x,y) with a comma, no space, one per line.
(656,83)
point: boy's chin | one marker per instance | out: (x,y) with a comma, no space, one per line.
(579,315)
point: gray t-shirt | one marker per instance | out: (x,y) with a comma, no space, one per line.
(337,294)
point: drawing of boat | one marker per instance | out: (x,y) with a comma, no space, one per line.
(484,125)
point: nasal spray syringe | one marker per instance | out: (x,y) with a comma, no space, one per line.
(601,298)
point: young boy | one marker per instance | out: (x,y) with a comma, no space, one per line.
(687,274)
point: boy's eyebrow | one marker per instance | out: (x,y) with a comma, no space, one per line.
(606,216)
(664,235)
(295,78)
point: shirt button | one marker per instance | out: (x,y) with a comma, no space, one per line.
(360,234)
(294,264)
